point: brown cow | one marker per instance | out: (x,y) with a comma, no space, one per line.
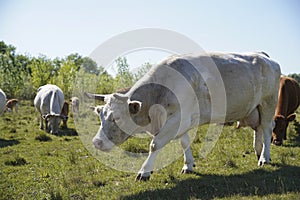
(288,102)
(12,103)
(64,113)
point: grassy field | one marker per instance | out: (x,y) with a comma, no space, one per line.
(37,165)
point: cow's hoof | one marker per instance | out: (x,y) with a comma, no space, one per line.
(139,177)
(187,171)
(262,162)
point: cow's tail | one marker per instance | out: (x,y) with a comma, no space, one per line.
(55,107)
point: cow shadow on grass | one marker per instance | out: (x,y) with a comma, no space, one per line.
(67,132)
(259,182)
(6,143)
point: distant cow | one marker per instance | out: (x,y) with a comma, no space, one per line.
(288,102)
(74,104)
(49,102)
(64,113)
(175,96)
(11,104)
(2,101)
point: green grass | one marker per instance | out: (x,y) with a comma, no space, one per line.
(38,165)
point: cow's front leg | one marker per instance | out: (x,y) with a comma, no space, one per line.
(167,133)
(147,167)
(188,157)
(41,123)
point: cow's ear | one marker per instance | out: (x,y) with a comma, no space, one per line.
(291,117)
(120,97)
(134,107)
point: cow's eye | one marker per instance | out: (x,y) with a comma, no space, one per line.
(116,119)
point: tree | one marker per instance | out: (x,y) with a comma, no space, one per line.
(65,77)
(124,78)
(90,66)
(105,83)
(295,76)
(42,69)
(142,71)
(75,58)
(12,70)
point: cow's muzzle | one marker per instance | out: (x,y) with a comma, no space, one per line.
(99,144)
(277,142)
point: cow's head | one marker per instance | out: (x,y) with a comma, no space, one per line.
(281,124)
(52,122)
(116,124)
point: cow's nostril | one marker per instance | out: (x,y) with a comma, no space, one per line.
(98,144)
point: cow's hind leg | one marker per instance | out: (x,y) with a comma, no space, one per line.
(258,142)
(265,153)
(265,130)
(188,157)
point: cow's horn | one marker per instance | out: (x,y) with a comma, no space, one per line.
(100,97)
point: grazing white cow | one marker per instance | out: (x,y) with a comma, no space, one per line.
(74,104)
(49,102)
(2,101)
(162,104)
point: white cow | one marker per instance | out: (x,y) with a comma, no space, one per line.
(2,101)
(49,102)
(184,92)
(74,104)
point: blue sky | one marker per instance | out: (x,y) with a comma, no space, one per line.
(58,28)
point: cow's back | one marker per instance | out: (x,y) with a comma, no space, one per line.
(248,79)
(49,99)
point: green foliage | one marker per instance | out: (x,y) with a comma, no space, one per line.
(142,71)
(21,75)
(124,78)
(13,69)
(105,83)
(65,77)
(89,66)
(295,76)
(42,69)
